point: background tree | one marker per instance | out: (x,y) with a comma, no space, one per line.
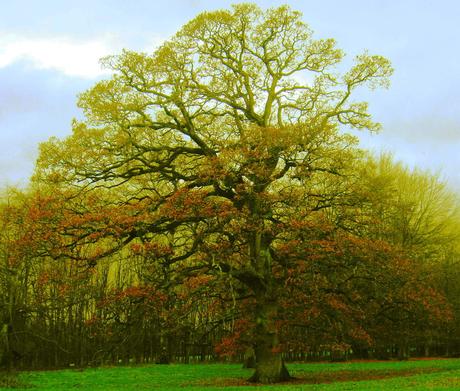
(415,212)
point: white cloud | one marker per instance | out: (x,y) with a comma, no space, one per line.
(71,57)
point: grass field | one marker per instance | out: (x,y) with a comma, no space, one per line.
(409,375)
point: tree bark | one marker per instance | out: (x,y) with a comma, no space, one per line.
(270,367)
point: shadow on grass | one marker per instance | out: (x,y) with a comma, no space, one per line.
(322,377)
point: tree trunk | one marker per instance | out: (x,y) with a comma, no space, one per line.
(270,367)
(249,358)
(6,360)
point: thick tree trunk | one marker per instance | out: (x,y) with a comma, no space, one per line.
(270,367)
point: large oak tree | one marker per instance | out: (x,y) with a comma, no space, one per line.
(226,137)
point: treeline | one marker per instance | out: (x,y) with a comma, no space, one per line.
(374,276)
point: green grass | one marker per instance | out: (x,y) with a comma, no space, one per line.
(409,375)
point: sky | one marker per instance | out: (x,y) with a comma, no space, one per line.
(50,51)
